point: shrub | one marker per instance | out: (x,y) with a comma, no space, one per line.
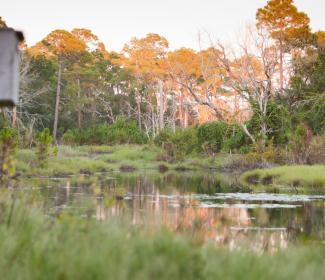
(212,134)
(177,145)
(123,131)
(254,156)
(265,156)
(317,150)
(164,136)
(278,121)
(43,145)
(245,149)
(7,153)
(316,118)
(186,140)
(120,132)
(299,145)
(217,136)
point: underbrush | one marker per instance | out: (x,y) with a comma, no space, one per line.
(209,139)
(35,246)
(120,132)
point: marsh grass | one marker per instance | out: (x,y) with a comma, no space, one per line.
(36,246)
(295,176)
(69,161)
(73,160)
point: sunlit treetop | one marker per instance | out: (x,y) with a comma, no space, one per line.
(58,43)
(2,23)
(284,21)
(90,39)
(145,56)
(320,37)
(61,42)
(184,62)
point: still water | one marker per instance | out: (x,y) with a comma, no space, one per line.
(207,207)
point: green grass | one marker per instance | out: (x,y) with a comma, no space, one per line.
(91,159)
(34,246)
(68,161)
(296,176)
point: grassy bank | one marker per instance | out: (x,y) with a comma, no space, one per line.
(287,176)
(92,159)
(33,246)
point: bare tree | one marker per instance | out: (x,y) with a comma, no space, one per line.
(248,71)
(251,73)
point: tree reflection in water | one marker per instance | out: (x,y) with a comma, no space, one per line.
(188,203)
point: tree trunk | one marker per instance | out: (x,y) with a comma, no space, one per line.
(174,114)
(186,116)
(181,111)
(281,66)
(57,102)
(14,117)
(79,105)
(161,105)
(244,128)
(138,100)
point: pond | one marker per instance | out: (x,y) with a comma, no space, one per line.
(208,207)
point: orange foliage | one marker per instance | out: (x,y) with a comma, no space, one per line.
(57,43)
(145,56)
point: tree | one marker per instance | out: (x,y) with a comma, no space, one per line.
(289,27)
(59,44)
(146,57)
(183,66)
(2,23)
(306,95)
(92,42)
(248,73)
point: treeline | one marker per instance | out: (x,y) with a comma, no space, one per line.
(270,90)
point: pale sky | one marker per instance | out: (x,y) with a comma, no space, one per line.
(115,22)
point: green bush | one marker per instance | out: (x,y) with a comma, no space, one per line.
(245,149)
(8,147)
(120,132)
(164,136)
(43,145)
(177,145)
(209,138)
(316,119)
(186,140)
(278,121)
(220,136)
(212,134)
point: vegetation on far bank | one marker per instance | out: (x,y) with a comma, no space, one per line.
(91,159)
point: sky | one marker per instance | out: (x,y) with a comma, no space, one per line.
(115,22)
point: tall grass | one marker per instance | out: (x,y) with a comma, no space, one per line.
(34,246)
(299,175)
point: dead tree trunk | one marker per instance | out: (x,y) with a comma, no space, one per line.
(57,102)
(281,66)
(138,100)
(161,105)
(79,105)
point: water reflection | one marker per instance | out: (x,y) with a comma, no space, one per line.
(206,207)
